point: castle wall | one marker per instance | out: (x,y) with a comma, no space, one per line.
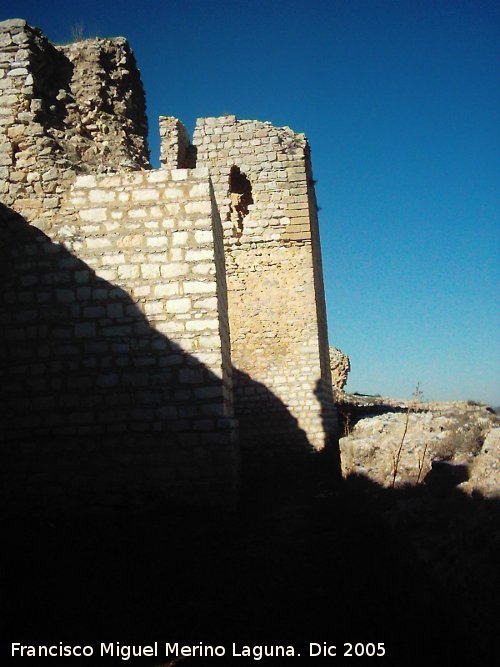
(157,235)
(265,193)
(117,372)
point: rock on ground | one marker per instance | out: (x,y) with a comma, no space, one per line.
(395,442)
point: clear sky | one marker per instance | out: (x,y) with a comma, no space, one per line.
(400,100)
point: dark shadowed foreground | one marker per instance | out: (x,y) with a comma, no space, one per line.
(299,562)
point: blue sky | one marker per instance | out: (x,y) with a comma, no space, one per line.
(400,101)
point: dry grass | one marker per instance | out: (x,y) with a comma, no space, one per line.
(466,437)
(416,398)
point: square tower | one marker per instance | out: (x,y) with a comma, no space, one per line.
(264,189)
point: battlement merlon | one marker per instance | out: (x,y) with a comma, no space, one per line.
(176,150)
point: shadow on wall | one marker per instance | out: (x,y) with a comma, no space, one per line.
(330,424)
(53,85)
(275,449)
(273,446)
(99,407)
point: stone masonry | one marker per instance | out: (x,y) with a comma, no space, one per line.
(154,322)
(265,192)
(340,366)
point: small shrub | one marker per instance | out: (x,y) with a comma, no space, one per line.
(412,405)
(345,419)
(78,32)
(466,437)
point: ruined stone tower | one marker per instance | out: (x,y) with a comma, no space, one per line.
(265,193)
(154,322)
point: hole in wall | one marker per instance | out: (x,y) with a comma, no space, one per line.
(240,198)
(15,148)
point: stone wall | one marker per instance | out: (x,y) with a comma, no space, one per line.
(154,235)
(118,362)
(265,193)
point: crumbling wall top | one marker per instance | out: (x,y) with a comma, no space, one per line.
(78,108)
(107,94)
(261,178)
